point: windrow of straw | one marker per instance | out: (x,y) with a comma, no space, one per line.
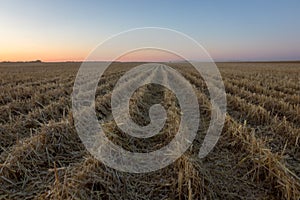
(267,166)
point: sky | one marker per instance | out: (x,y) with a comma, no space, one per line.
(68,30)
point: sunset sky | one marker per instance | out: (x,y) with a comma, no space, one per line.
(229,30)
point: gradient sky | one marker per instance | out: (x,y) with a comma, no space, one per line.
(230,30)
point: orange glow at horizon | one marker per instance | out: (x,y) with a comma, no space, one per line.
(29,52)
(44,54)
(49,55)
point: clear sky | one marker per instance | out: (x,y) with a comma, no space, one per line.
(53,30)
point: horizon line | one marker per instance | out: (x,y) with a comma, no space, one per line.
(134,61)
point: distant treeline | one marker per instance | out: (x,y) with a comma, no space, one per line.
(33,61)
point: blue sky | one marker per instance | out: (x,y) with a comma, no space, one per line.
(229,30)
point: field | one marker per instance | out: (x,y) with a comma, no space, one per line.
(256,157)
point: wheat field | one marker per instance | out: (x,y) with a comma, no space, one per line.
(256,157)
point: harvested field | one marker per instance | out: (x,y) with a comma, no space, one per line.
(256,157)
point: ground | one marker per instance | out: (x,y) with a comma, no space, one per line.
(256,157)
